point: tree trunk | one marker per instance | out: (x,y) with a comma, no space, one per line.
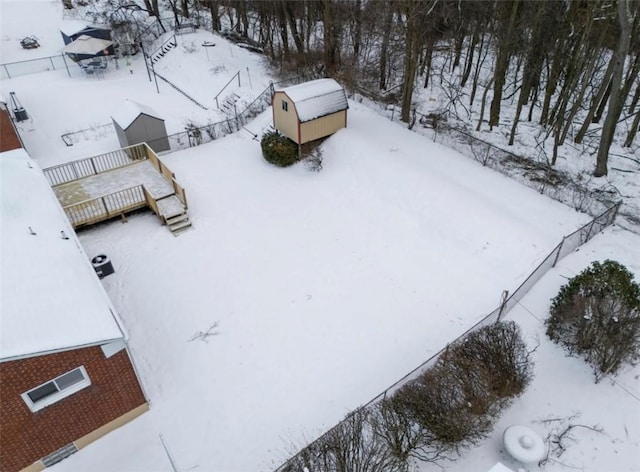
(634,100)
(284,32)
(411,51)
(469,60)
(476,73)
(331,28)
(502,63)
(616,100)
(214,10)
(484,100)
(384,49)
(633,131)
(595,102)
(293,26)
(357,37)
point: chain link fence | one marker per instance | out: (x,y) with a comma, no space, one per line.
(568,244)
(538,175)
(33,66)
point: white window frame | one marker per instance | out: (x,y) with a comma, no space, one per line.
(285,105)
(62,392)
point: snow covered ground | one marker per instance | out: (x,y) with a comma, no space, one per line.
(325,287)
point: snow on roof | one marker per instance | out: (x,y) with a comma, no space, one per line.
(126,115)
(50,296)
(317,98)
(71,27)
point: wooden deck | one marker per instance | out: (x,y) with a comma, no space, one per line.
(112,181)
(103,187)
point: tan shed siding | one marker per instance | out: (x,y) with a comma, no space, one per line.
(323,126)
(285,121)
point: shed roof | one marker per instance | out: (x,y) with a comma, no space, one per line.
(126,115)
(50,296)
(317,98)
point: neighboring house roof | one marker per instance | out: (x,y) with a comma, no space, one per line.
(50,296)
(317,98)
(130,111)
(71,27)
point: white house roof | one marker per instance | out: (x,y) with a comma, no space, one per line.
(50,296)
(131,110)
(317,98)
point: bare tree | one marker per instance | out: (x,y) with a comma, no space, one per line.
(616,99)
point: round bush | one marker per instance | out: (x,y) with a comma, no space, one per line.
(278,149)
(596,315)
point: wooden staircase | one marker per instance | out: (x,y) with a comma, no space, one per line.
(178,223)
(174,214)
(229,105)
(162,50)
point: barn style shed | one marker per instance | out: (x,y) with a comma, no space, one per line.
(137,123)
(310,111)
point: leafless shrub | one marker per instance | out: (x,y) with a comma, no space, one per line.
(481,152)
(205,335)
(313,161)
(189,47)
(497,358)
(561,435)
(404,437)
(350,446)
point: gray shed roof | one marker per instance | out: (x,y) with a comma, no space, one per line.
(130,111)
(317,98)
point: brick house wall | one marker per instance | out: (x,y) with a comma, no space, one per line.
(26,437)
(9,139)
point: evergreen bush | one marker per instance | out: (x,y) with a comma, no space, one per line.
(596,316)
(278,149)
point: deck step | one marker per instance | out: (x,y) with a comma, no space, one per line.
(179,226)
(174,220)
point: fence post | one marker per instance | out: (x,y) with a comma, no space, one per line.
(588,236)
(503,302)
(66,65)
(616,208)
(559,247)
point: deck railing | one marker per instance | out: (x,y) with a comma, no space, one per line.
(180,193)
(153,204)
(107,206)
(75,170)
(118,203)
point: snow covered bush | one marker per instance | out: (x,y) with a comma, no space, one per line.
(351,445)
(278,149)
(596,315)
(455,403)
(496,358)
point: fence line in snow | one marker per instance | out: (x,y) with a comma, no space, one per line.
(567,245)
(10,70)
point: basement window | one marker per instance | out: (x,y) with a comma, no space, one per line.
(55,390)
(285,105)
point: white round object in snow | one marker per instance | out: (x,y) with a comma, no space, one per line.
(523,444)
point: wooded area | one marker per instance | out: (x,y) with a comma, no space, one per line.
(571,64)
